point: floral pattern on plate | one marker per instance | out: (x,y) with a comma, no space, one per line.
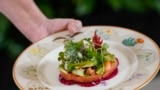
(137,77)
(108,34)
(39,51)
(36,85)
(29,70)
(132,41)
(146,57)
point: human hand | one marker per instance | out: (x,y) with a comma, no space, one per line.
(51,26)
(32,23)
(56,25)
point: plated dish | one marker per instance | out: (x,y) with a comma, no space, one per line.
(138,55)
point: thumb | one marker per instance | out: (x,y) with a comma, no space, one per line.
(74,26)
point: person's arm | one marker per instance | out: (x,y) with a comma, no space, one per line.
(27,17)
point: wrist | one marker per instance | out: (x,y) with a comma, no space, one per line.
(27,19)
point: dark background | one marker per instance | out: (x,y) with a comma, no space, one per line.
(146,21)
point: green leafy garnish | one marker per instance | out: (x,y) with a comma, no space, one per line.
(83,54)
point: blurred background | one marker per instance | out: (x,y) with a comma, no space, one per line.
(140,15)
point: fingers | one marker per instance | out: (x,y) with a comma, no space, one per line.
(74,26)
(56,25)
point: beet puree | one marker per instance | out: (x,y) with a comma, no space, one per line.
(87,84)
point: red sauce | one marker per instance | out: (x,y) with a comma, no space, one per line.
(88,84)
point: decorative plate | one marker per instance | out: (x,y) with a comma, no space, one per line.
(36,68)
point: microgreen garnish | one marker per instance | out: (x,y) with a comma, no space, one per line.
(88,52)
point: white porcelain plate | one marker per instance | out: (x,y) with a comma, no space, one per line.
(48,72)
(36,68)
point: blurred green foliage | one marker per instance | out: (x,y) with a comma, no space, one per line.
(83,7)
(9,44)
(67,8)
(4,26)
(139,6)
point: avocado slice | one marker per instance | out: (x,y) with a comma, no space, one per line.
(100,69)
(88,63)
(109,57)
(79,72)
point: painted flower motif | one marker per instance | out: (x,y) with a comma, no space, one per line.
(38,51)
(146,57)
(134,42)
(140,40)
(108,34)
(137,77)
(36,85)
(29,70)
(103,83)
(66,37)
(129,41)
(108,31)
